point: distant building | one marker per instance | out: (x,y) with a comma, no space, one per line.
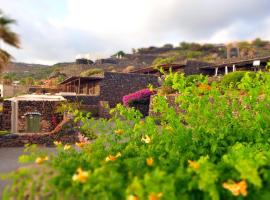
(221,67)
(12,90)
(84,61)
(31,113)
(93,92)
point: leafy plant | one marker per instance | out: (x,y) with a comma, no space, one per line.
(213,143)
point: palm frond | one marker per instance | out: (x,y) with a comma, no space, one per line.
(5,57)
(9,37)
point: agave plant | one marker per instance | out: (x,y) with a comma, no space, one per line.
(7,36)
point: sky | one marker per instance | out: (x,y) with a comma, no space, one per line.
(54,31)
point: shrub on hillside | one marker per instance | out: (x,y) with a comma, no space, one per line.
(91,72)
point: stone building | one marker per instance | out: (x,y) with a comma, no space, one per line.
(7,91)
(109,88)
(221,67)
(31,113)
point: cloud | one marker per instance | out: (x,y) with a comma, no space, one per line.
(53,31)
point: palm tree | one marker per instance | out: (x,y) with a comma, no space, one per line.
(8,37)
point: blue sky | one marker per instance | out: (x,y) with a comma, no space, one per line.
(58,30)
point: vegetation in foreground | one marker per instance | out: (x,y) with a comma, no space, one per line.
(214,145)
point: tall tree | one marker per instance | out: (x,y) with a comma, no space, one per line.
(7,36)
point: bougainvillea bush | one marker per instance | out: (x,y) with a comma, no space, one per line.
(217,147)
(139,96)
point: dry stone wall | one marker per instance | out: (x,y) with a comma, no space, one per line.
(48,118)
(116,85)
(6,118)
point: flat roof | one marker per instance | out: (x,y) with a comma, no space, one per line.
(87,78)
(36,97)
(236,62)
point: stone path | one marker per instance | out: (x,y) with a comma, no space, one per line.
(9,161)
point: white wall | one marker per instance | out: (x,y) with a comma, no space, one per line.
(1,90)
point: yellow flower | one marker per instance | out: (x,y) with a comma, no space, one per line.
(67,147)
(119,132)
(141,122)
(40,160)
(154,196)
(133,197)
(80,176)
(113,158)
(204,87)
(150,161)
(194,165)
(57,143)
(169,128)
(80,144)
(146,139)
(237,189)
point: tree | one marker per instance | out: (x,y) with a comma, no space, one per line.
(258,42)
(7,36)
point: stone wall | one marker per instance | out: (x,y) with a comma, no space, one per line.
(193,67)
(1,121)
(83,99)
(48,120)
(20,140)
(6,118)
(116,85)
(14,90)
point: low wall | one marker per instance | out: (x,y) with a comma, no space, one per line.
(83,99)
(20,140)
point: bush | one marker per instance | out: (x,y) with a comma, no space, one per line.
(234,78)
(91,72)
(216,148)
(140,96)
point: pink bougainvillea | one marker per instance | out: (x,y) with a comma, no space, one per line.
(137,96)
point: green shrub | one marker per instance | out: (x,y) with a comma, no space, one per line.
(214,144)
(235,78)
(91,72)
(4,132)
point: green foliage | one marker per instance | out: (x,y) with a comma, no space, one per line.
(4,132)
(91,72)
(215,136)
(234,78)
(163,61)
(28,81)
(258,42)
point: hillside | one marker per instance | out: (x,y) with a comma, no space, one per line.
(142,57)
